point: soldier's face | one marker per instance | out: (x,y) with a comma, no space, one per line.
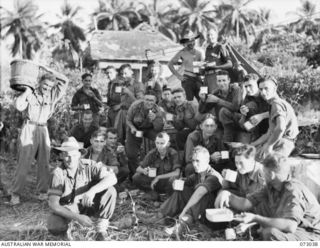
(112,138)
(244,165)
(111,74)
(166,95)
(87,82)
(190,44)
(223,82)
(179,98)
(268,90)
(161,144)
(46,86)
(127,73)
(251,87)
(200,163)
(98,143)
(149,101)
(155,70)
(87,120)
(208,127)
(71,159)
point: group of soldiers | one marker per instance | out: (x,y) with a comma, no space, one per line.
(241,127)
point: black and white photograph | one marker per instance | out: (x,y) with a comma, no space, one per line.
(159,120)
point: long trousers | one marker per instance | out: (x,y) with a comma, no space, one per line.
(133,146)
(178,200)
(103,207)
(34,143)
(191,85)
(143,182)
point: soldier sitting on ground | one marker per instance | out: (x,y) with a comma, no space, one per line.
(283,123)
(209,137)
(158,169)
(249,177)
(285,208)
(198,193)
(104,149)
(144,119)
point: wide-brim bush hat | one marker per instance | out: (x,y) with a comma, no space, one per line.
(190,36)
(70,144)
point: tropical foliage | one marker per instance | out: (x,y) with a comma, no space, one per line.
(23,23)
(67,26)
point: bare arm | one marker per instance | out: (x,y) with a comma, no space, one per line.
(278,132)
(285,225)
(21,102)
(109,180)
(239,203)
(171,63)
(61,210)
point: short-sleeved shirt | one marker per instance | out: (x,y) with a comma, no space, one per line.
(81,98)
(295,202)
(185,116)
(210,179)
(248,183)
(106,157)
(187,57)
(169,163)
(217,53)
(195,138)
(81,135)
(87,175)
(138,115)
(280,107)
(114,98)
(136,88)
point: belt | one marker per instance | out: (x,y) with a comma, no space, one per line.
(37,123)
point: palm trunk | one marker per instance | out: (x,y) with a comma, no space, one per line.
(20,46)
(237,30)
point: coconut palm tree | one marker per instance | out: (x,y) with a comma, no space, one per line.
(197,16)
(163,18)
(116,15)
(24,24)
(67,26)
(306,17)
(237,20)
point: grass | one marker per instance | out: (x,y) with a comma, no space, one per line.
(27,221)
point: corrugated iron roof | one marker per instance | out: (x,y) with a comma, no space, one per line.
(131,45)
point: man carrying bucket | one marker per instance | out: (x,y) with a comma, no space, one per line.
(34,139)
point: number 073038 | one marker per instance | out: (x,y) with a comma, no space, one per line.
(308,243)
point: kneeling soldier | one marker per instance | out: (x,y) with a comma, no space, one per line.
(79,190)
